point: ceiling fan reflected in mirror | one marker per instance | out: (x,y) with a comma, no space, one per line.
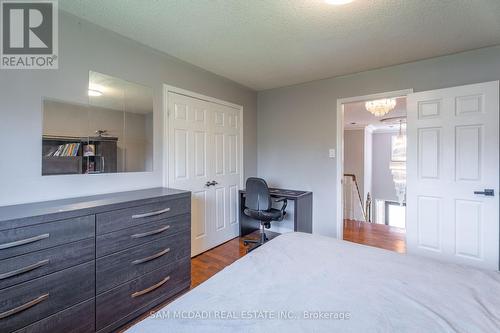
(394,120)
(338,2)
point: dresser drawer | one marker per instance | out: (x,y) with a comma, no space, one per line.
(35,264)
(163,282)
(144,233)
(31,301)
(77,319)
(126,265)
(19,241)
(130,217)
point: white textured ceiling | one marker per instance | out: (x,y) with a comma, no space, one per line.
(264,44)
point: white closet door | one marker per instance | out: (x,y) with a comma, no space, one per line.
(204,148)
(453,152)
(188,159)
(227,171)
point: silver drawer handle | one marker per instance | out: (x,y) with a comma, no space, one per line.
(150,289)
(23,241)
(24,306)
(24,269)
(154,256)
(140,216)
(150,233)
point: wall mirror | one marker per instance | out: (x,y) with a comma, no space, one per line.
(112,133)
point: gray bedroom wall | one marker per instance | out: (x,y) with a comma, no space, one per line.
(83,47)
(297,124)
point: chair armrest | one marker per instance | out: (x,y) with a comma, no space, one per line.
(285,203)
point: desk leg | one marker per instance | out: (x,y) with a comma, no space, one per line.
(247,224)
(303,214)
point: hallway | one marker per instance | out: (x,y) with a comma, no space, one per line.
(377,235)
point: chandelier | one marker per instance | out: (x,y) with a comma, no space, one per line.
(398,164)
(398,171)
(380,107)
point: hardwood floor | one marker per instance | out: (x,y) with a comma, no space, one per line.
(378,235)
(207,264)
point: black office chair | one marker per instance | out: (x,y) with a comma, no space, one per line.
(258,205)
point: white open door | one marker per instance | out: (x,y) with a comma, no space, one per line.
(205,158)
(453,152)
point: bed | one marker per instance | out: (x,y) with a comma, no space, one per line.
(305,283)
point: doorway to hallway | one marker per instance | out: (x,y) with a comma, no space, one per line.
(374,172)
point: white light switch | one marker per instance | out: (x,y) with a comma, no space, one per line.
(331,153)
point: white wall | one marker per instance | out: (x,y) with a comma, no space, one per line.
(383,185)
(358,161)
(368,163)
(297,124)
(83,47)
(354,156)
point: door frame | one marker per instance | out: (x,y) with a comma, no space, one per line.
(166,123)
(340,146)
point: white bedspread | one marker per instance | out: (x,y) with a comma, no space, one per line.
(353,287)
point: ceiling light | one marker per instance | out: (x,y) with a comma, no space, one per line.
(380,107)
(338,2)
(95,93)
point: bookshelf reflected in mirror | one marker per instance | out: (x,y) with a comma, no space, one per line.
(78,155)
(61,156)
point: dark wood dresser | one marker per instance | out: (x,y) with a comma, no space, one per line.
(94,263)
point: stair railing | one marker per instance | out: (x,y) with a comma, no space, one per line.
(360,198)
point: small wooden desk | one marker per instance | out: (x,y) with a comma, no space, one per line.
(302,210)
